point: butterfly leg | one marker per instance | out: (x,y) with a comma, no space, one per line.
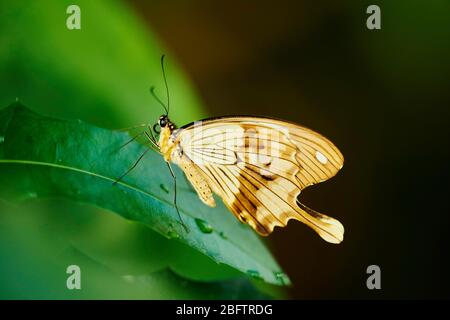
(93,164)
(153,147)
(133,127)
(131,140)
(150,138)
(133,166)
(175,195)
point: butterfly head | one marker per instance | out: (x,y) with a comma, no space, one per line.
(165,123)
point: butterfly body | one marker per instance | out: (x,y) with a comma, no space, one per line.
(166,143)
(171,150)
(258,166)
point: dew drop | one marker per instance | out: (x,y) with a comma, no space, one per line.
(172,235)
(281,277)
(164,188)
(204,226)
(254,274)
(2,139)
(222,235)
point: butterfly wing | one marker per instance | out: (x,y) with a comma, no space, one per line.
(259,166)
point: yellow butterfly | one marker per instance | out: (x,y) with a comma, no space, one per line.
(258,166)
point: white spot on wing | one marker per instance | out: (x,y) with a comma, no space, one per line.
(321,158)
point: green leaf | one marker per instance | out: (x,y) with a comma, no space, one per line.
(124,246)
(46,157)
(114,265)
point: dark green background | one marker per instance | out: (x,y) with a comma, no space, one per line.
(382,96)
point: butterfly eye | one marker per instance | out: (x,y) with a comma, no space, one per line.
(157,128)
(162,122)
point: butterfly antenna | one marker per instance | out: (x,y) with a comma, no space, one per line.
(165,83)
(152,91)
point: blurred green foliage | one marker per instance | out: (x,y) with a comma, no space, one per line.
(100,74)
(118,260)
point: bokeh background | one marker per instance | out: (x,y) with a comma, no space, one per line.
(382,96)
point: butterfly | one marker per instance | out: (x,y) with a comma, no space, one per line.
(258,166)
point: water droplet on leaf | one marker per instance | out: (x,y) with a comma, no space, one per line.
(164,188)
(172,235)
(281,277)
(222,235)
(254,274)
(2,139)
(203,226)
